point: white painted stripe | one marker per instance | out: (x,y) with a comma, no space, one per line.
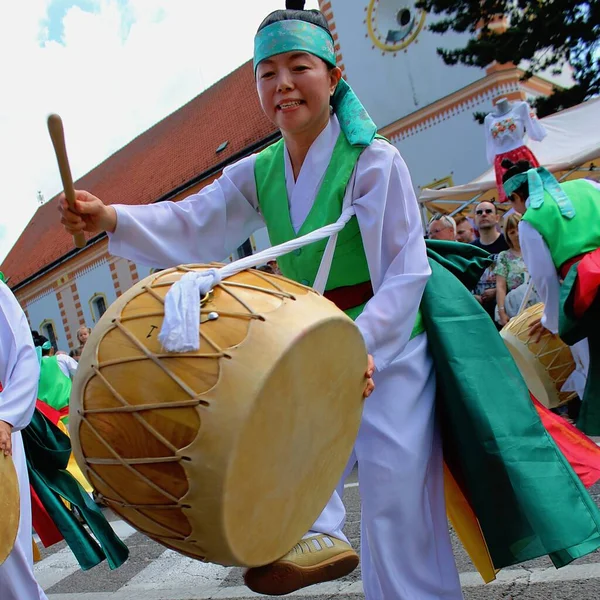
(171,567)
(168,587)
(63,563)
(351,485)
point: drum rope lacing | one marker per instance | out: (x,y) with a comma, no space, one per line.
(119,323)
(180,328)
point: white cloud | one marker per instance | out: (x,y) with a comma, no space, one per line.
(112,74)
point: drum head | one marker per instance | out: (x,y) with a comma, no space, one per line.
(9,506)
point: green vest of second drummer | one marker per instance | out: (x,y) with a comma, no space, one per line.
(349,265)
(568,238)
(54,387)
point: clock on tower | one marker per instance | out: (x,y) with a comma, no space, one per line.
(393,24)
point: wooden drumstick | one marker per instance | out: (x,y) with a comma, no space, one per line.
(57,134)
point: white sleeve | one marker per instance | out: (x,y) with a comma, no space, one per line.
(70,364)
(19,367)
(533,126)
(390,225)
(490,150)
(205,227)
(538,260)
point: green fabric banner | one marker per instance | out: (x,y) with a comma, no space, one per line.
(525,494)
(47,450)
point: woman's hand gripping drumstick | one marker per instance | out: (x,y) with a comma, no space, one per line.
(370,385)
(80,210)
(5,438)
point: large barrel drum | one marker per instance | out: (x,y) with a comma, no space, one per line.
(229,453)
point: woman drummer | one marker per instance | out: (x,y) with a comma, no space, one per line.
(328,155)
(560,242)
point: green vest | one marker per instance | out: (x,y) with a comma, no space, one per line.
(54,387)
(568,238)
(349,265)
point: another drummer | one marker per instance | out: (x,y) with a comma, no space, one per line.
(560,241)
(19,373)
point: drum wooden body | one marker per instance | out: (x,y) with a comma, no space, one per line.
(227,454)
(10,508)
(546,365)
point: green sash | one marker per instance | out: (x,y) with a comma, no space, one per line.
(528,500)
(47,450)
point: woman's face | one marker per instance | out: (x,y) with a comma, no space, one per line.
(295,89)
(512,233)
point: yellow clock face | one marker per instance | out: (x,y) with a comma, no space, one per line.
(393,24)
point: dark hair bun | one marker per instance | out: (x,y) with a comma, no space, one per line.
(294,4)
(507,163)
(524,165)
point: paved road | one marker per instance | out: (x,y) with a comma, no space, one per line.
(154,573)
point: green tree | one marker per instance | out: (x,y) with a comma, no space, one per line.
(548,34)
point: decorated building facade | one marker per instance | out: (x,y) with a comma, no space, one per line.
(385,52)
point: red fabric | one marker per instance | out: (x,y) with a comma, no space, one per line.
(53,415)
(42,522)
(587,285)
(349,296)
(520,153)
(581,452)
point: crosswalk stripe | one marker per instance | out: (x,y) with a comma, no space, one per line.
(61,564)
(170,567)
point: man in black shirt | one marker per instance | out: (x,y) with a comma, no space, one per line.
(491,240)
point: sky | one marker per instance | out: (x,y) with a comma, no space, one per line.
(111,69)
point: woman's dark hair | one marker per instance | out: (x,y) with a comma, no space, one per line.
(294,11)
(512,169)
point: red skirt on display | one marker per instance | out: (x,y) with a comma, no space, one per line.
(520,153)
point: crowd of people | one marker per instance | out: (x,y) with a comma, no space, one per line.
(503,286)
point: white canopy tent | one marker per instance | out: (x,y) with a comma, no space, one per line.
(571,150)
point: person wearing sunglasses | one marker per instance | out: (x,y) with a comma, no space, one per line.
(492,241)
(560,242)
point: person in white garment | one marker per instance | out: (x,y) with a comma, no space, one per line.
(406,552)
(19,372)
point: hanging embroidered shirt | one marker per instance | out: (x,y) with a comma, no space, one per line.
(506,132)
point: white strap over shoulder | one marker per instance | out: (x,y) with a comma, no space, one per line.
(180,331)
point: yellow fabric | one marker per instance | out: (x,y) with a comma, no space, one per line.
(73,467)
(466,525)
(36,552)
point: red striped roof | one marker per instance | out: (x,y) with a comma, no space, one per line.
(168,155)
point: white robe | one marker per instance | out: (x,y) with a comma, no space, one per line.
(540,265)
(406,551)
(19,374)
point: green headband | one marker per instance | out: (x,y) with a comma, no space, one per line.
(300,36)
(541,181)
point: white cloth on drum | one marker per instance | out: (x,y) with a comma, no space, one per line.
(19,374)
(180,331)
